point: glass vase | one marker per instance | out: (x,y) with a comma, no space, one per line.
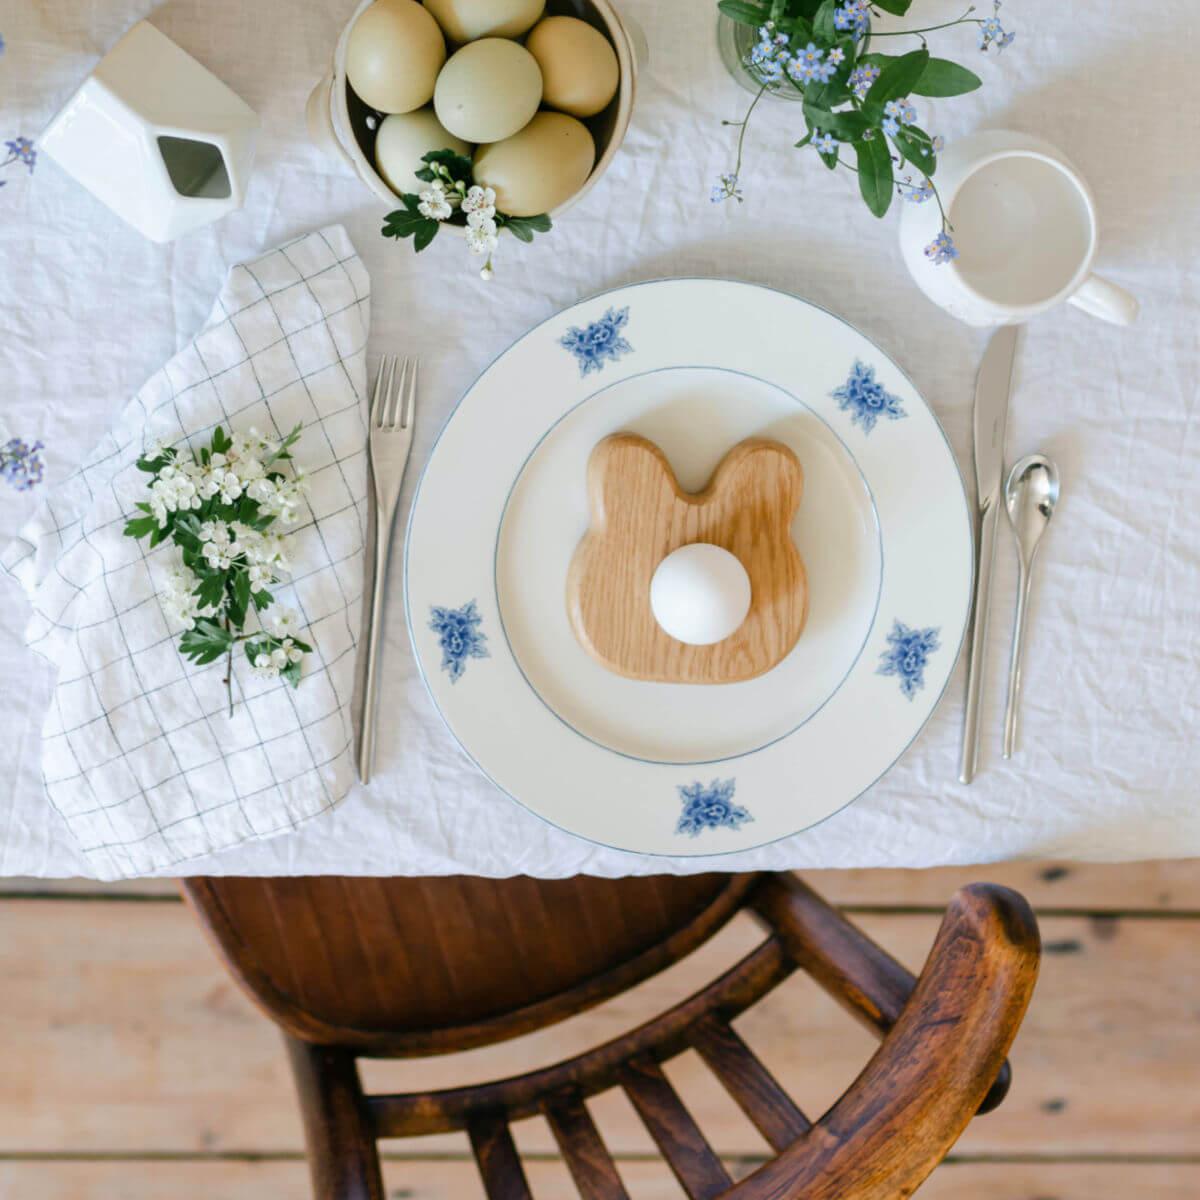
(735,40)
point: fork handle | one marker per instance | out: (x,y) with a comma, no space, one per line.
(385,516)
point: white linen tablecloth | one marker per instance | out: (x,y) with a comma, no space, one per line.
(1109,760)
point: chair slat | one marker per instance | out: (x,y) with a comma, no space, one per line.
(499,1164)
(688,1154)
(757,1092)
(584,1152)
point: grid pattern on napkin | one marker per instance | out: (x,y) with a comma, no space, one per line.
(141,756)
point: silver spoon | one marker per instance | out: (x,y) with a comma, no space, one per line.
(1030,494)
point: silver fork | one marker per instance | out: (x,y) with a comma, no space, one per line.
(393,411)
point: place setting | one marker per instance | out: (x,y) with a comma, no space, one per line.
(691,563)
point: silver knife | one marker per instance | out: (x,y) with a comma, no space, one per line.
(991,421)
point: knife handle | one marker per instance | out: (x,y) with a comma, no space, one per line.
(969,755)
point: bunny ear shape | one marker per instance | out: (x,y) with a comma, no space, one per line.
(627,473)
(761,472)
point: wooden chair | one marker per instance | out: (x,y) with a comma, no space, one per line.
(355,968)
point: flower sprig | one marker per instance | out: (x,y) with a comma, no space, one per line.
(21,464)
(220,506)
(453,197)
(856,99)
(21,151)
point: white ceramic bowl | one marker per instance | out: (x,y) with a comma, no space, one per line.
(337,118)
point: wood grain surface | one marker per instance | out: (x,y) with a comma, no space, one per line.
(135,1069)
(640,515)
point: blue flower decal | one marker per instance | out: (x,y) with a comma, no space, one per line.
(459,636)
(907,653)
(710,807)
(866,399)
(21,464)
(600,342)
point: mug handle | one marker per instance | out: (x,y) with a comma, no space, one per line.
(1100,298)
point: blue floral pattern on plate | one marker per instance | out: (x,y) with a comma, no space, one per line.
(907,653)
(710,807)
(459,636)
(21,464)
(866,399)
(600,342)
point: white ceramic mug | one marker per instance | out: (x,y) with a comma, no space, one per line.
(1024,223)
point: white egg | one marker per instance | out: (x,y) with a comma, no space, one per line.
(466,20)
(538,168)
(403,139)
(488,90)
(700,594)
(580,72)
(393,55)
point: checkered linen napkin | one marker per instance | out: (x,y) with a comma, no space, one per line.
(139,753)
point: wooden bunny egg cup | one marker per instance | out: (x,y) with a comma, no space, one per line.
(640,514)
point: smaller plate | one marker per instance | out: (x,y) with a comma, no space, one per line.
(696,366)
(695,415)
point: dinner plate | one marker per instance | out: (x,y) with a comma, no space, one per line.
(695,365)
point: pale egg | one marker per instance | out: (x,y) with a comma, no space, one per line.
(700,594)
(540,167)
(393,56)
(579,66)
(402,141)
(488,90)
(467,20)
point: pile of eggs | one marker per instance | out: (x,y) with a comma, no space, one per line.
(512,106)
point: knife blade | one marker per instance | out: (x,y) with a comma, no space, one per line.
(992,388)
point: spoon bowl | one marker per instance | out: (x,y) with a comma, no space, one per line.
(1030,495)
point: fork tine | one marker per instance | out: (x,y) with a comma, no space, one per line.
(393,389)
(395,384)
(410,395)
(380,390)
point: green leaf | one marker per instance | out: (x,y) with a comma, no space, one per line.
(292,673)
(942,77)
(896,7)
(875,173)
(830,160)
(425,233)
(848,125)
(401,224)
(460,167)
(525,227)
(913,144)
(220,441)
(823,27)
(262,600)
(151,466)
(240,603)
(210,591)
(896,79)
(206,642)
(799,29)
(743,12)
(140,527)
(827,95)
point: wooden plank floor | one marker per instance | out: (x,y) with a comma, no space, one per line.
(133,1068)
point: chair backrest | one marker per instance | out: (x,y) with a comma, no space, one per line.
(942,1059)
(416,966)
